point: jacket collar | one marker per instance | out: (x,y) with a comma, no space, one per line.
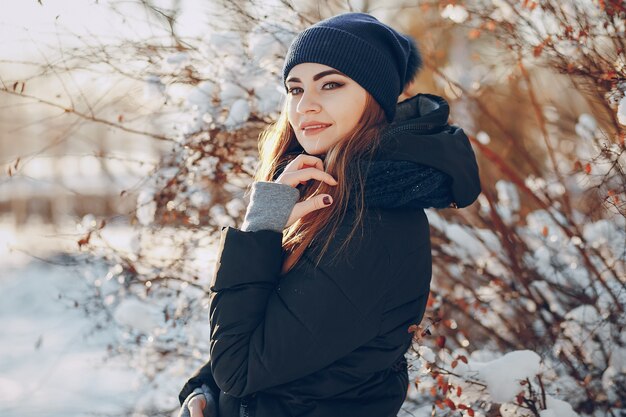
(420,133)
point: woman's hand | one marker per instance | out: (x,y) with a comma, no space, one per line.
(196,405)
(299,171)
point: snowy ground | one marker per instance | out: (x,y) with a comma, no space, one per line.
(50,364)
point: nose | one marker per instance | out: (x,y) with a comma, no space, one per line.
(308,103)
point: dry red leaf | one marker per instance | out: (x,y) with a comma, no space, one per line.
(441,341)
(473,34)
(609,75)
(84,240)
(450,403)
(578,165)
(431,300)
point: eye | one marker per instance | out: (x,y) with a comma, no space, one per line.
(292,92)
(333,82)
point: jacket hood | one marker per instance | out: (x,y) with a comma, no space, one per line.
(420,133)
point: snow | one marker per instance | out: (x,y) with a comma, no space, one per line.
(579,324)
(200,97)
(239,114)
(458,14)
(616,370)
(508,201)
(621,111)
(483,137)
(504,386)
(177,60)
(503,11)
(138,315)
(557,408)
(586,126)
(146,206)
(48,364)
(61,354)
(154,88)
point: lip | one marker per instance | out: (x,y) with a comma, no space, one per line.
(309,132)
(313,123)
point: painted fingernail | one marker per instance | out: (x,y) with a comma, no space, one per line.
(327,200)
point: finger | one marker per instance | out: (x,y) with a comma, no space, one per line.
(297,177)
(305,207)
(196,405)
(306,166)
(195,412)
(302,161)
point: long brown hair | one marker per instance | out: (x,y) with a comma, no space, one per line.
(278,146)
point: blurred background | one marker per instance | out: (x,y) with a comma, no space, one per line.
(128,137)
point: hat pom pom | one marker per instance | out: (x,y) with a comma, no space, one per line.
(414,63)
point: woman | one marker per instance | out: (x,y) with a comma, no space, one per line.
(313,296)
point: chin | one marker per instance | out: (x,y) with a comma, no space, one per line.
(311,149)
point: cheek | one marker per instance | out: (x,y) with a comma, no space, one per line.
(350,115)
(291,118)
(353,111)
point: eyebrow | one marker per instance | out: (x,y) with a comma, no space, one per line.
(317,76)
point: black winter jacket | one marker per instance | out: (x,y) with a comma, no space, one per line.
(330,340)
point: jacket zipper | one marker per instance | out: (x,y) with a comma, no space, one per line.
(245,408)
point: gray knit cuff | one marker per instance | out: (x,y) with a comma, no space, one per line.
(270,205)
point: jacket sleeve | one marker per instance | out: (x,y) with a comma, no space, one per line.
(267,331)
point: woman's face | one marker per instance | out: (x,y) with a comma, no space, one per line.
(321,95)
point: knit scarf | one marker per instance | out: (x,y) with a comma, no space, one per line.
(395,184)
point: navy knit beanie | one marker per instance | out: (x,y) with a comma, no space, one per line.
(382,60)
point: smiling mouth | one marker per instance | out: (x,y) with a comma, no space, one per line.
(314,131)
